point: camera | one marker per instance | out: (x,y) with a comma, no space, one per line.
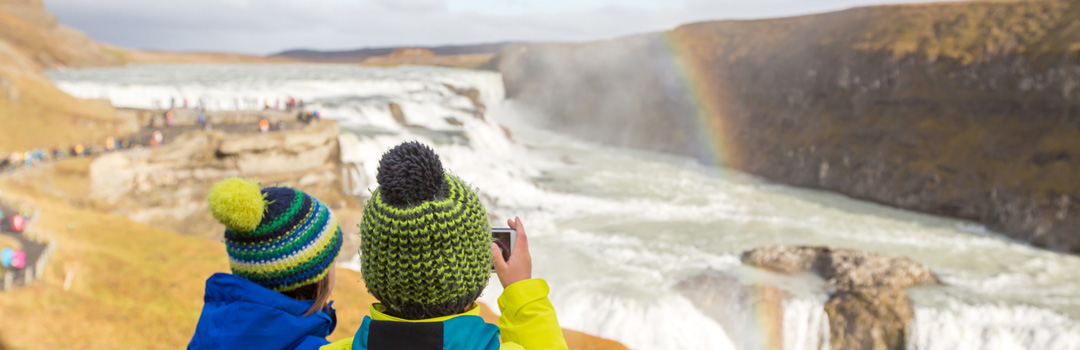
(505,239)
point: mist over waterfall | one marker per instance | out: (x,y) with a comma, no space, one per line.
(619,233)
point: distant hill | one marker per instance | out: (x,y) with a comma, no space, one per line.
(360,55)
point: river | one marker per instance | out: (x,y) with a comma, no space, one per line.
(614,231)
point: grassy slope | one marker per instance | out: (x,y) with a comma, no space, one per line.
(958,31)
(134,286)
(42,114)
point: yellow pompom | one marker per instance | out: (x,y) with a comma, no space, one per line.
(238,204)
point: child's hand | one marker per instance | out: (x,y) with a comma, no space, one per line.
(519,268)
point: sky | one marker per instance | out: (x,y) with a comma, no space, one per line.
(269,26)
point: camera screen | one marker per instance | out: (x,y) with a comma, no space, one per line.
(502,238)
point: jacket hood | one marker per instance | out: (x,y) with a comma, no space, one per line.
(239,314)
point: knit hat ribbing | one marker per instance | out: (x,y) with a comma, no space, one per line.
(278,237)
(425,237)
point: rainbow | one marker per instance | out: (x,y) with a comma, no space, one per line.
(716,131)
(714,127)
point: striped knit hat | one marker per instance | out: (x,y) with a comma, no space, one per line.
(278,237)
(426,240)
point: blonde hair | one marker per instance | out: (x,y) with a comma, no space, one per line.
(319,292)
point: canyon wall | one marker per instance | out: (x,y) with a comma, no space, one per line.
(970,110)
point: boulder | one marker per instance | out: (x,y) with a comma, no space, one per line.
(843,269)
(873,318)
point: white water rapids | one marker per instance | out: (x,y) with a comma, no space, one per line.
(615,231)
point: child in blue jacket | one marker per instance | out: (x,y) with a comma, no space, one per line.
(281,244)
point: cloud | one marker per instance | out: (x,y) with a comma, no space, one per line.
(415,5)
(266,26)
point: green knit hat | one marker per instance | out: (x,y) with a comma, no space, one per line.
(278,237)
(425,238)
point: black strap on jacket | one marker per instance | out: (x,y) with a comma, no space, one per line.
(390,335)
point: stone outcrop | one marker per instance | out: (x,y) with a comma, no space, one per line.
(869,308)
(843,269)
(168,185)
(968,109)
(875,319)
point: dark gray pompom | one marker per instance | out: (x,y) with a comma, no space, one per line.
(409,174)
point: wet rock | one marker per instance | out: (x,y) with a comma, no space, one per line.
(472,94)
(783,259)
(398,114)
(869,308)
(844,269)
(873,318)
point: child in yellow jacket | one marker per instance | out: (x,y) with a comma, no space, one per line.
(426,254)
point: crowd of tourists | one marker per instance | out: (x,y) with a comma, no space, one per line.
(17,160)
(248,103)
(41,155)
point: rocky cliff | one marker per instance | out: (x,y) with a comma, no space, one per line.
(167,186)
(969,109)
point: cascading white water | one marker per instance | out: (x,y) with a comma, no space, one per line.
(615,231)
(806,326)
(957,325)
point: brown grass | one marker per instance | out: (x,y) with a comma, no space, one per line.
(959,30)
(133,286)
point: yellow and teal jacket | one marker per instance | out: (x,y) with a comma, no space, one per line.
(528,322)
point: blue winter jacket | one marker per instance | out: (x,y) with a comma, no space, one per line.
(239,314)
